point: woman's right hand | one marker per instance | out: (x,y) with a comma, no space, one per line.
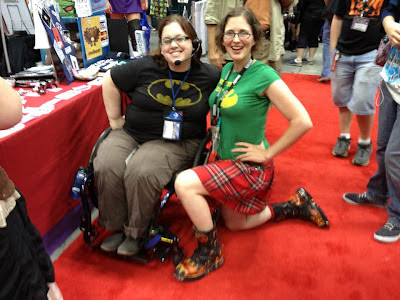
(117,123)
(392,29)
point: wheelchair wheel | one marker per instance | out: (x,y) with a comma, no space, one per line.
(178,256)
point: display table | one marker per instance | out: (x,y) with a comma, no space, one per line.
(43,157)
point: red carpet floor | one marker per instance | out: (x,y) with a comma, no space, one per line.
(288,260)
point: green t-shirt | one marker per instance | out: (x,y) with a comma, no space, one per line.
(243,111)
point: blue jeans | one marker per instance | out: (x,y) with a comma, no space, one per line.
(326,59)
(385,183)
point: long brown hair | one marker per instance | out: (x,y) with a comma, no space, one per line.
(187,28)
(250,18)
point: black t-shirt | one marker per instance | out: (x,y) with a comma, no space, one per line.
(354,42)
(149,89)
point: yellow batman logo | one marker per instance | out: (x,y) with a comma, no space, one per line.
(229,100)
(189,93)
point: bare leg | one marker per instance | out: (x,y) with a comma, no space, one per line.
(365,124)
(191,192)
(300,53)
(311,53)
(345,118)
(236,222)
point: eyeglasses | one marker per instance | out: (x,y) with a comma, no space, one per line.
(179,40)
(243,35)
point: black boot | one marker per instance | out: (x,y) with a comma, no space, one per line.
(134,25)
(302,206)
(206,258)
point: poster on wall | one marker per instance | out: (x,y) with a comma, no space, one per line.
(92,37)
(60,41)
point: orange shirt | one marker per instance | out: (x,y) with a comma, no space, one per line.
(261,9)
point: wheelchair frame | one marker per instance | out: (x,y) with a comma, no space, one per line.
(159,241)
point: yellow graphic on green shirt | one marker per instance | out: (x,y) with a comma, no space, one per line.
(230,99)
(188,95)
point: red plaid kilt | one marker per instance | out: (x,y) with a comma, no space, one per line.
(243,187)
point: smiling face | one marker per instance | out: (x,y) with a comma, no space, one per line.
(176,50)
(238,48)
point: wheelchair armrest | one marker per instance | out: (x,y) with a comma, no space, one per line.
(93,154)
(201,153)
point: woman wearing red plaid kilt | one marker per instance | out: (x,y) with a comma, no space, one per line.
(240,180)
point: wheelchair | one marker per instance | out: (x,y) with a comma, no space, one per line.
(159,241)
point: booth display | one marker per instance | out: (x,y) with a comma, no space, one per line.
(60,41)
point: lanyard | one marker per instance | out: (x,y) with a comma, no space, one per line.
(217,101)
(179,89)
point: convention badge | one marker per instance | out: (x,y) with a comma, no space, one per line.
(360,24)
(173,125)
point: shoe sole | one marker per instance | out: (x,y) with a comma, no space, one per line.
(341,155)
(360,165)
(216,266)
(355,203)
(385,239)
(125,253)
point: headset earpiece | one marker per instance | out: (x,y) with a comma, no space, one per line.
(196,43)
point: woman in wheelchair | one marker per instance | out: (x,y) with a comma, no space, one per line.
(240,180)
(162,128)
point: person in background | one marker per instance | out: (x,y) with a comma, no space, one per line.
(131,9)
(355,37)
(326,39)
(26,271)
(310,26)
(240,180)
(159,134)
(385,183)
(267,12)
(159,9)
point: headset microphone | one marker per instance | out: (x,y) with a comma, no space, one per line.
(196,44)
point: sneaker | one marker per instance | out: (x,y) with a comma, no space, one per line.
(389,233)
(359,199)
(323,79)
(341,147)
(363,154)
(294,62)
(129,247)
(307,62)
(111,243)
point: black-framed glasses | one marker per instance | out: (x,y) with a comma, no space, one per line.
(243,35)
(179,40)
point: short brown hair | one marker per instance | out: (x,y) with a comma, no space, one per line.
(250,19)
(187,28)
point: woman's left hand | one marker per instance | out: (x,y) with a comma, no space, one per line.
(252,153)
(144,4)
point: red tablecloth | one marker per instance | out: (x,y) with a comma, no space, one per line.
(43,157)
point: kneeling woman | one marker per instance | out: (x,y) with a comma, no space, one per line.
(240,180)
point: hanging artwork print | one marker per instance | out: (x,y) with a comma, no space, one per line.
(92,37)
(60,41)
